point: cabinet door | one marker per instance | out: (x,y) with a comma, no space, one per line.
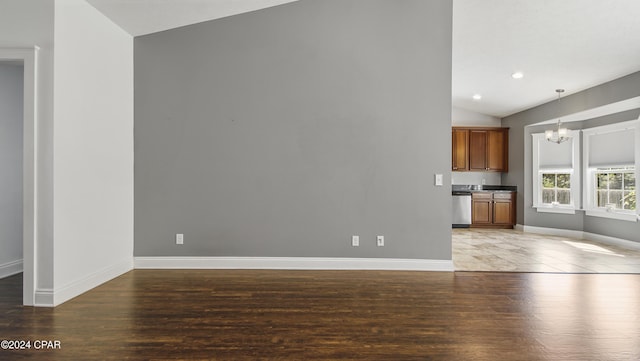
(502,211)
(459,151)
(504,208)
(481,208)
(478,150)
(497,149)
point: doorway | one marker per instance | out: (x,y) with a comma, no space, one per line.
(11,118)
(26,59)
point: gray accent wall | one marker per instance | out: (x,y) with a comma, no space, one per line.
(25,25)
(284,131)
(11,87)
(520,158)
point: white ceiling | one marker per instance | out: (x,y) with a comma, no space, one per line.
(570,44)
(140,17)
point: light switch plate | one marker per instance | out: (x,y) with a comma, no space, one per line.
(438,180)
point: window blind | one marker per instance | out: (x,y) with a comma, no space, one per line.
(553,155)
(616,148)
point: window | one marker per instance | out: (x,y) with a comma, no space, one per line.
(556,174)
(616,188)
(556,188)
(610,171)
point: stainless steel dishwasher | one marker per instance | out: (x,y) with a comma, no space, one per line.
(461,209)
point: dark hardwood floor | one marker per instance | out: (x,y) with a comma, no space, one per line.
(334,315)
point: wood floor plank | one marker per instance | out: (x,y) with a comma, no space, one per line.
(334,315)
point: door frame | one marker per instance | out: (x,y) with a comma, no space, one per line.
(29,59)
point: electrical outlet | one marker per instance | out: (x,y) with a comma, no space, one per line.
(355,241)
(179,238)
(380,241)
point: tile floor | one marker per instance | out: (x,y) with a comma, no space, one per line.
(515,251)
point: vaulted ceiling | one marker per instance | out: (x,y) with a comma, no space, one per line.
(569,44)
(140,17)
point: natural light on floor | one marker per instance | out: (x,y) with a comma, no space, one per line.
(592,248)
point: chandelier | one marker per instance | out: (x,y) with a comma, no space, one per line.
(559,134)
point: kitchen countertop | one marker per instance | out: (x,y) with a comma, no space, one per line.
(470,188)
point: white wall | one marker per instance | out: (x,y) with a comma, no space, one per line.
(25,24)
(93,149)
(11,85)
(489,178)
(467,118)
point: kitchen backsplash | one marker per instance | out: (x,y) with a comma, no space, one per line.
(476,178)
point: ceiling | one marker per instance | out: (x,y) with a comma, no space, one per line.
(570,44)
(140,17)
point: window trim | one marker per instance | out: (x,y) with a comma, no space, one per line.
(574,171)
(591,196)
(590,203)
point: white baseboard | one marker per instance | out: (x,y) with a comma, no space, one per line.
(554,231)
(43,297)
(10,268)
(580,235)
(293,263)
(52,298)
(612,241)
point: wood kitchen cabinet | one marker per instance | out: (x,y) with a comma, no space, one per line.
(481,206)
(460,149)
(480,149)
(493,209)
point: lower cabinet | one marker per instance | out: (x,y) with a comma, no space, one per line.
(493,209)
(481,208)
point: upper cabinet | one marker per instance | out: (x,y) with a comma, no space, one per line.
(480,149)
(460,150)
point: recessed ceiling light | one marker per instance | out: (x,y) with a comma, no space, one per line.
(477,96)
(517,75)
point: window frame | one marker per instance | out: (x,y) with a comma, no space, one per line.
(590,172)
(574,172)
(613,170)
(556,173)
